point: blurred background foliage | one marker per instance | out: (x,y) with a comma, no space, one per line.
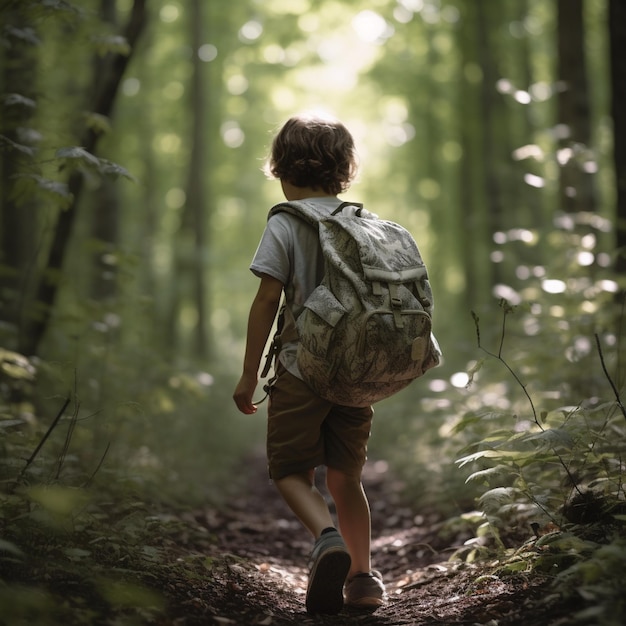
(133,135)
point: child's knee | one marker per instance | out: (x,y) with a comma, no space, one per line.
(339,479)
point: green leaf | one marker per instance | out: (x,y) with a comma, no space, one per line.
(54,187)
(18,147)
(16,365)
(113,170)
(27,186)
(25,35)
(101,124)
(474,370)
(17,99)
(491,454)
(514,566)
(498,496)
(79,154)
(9,423)
(499,470)
(47,6)
(552,437)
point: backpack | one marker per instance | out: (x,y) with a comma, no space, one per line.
(365,331)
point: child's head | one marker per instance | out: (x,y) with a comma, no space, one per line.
(315,152)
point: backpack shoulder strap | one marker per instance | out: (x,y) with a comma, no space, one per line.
(357,208)
(307,211)
(313,214)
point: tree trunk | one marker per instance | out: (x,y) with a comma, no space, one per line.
(47,287)
(490,115)
(196,196)
(574,117)
(617,35)
(474,242)
(18,230)
(105,200)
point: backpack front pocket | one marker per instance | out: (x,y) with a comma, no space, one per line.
(316,324)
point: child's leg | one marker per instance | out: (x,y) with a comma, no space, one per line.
(305,500)
(353,513)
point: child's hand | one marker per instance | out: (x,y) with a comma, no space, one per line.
(243,394)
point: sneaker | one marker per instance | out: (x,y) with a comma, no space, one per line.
(330,564)
(365,590)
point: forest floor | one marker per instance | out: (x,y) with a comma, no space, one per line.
(260,573)
(131,563)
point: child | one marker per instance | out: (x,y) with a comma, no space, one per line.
(314,159)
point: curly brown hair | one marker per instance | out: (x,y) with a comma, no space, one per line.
(313,151)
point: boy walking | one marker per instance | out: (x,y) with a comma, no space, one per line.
(314,159)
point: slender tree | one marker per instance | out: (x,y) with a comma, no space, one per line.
(105,201)
(188,276)
(196,197)
(491,114)
(617,34)
(574,109)
(474,243)
(47,286)
(18,148)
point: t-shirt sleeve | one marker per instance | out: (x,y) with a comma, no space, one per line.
(273,256)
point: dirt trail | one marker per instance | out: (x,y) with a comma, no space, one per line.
(260,554)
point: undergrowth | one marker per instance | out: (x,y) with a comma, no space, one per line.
(93,510)
(551,478)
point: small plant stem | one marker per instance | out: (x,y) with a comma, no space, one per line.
(89,481)
(618,399)
(499,357)
(68,439)
(54,424)
(502,336)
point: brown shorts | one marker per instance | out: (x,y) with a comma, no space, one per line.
(304,430)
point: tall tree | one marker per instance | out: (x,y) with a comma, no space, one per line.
(490,116)
(105,201)
(189,275)
(19,45)
(574,109)
(475,244)
(196,189)
(102,105)
(617,34)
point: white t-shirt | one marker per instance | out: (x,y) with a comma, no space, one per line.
(289,251)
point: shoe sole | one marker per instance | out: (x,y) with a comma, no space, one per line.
(366,603)
(325,590)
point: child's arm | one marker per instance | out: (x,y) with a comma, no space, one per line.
(262,314)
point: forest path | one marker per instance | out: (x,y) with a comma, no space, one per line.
(260,551)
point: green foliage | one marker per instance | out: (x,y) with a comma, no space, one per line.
(29,187)
(84,536)
(81,555)
(598,578)
(558,470)
(77,158)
